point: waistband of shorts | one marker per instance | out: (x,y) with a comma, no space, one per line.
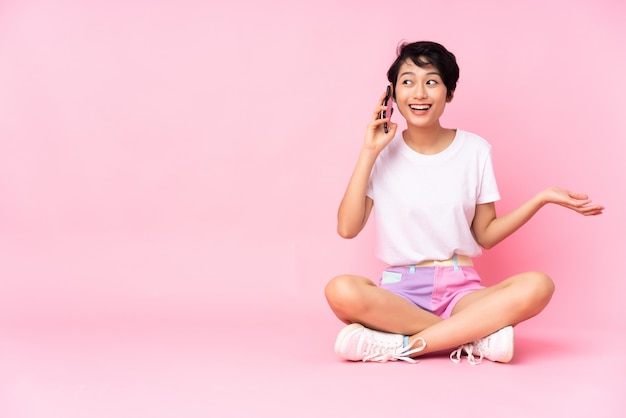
(455,260)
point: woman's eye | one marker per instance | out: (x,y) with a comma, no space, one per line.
(407,82)
(431,82)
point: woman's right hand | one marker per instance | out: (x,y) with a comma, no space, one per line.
(375,137)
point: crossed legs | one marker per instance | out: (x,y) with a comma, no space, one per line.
(356,299)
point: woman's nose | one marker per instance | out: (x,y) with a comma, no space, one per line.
(420,92)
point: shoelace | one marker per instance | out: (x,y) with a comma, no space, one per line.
(457,354)
(383,354)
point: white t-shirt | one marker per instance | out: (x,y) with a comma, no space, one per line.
(424,204)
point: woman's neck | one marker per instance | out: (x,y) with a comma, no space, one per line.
(428,141)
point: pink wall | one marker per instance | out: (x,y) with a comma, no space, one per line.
(179,157)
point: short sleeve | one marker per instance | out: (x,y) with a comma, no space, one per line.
(488,186)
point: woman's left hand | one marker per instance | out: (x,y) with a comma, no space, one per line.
(577,202)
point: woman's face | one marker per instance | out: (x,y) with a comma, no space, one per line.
(420,94)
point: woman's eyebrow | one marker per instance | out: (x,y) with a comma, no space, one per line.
(428,73)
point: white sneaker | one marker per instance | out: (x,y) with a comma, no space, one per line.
(495,347)
(357,343)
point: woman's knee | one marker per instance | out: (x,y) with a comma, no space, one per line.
(343,291)
(339,287)
(538,289)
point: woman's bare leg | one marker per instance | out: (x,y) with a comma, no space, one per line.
(485,311)
(356,299)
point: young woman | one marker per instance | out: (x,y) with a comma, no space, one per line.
(434,190)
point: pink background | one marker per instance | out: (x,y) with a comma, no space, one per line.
(169,166)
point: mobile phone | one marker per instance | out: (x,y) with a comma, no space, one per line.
(388,104)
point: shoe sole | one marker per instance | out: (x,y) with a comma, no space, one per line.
(343,334)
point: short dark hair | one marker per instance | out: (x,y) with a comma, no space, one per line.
(424,54)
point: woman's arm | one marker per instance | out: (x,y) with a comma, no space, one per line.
(355,206)
(490,229)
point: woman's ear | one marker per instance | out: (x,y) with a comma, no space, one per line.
(450,97)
